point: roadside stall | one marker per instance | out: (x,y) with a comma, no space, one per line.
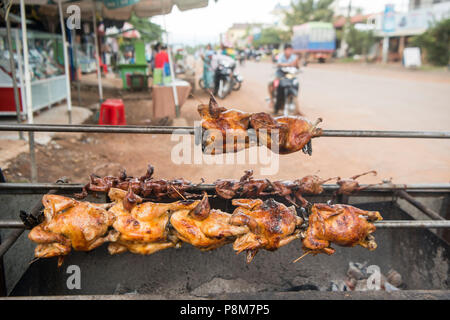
(47,74)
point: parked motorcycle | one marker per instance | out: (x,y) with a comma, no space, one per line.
(286,91)
(226,79)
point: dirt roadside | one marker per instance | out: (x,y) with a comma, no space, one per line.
(103,154)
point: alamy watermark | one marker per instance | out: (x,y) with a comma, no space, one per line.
(74,280)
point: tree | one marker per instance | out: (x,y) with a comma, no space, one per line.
(359,41)
(149,31)
(272,35)
(436,42)
(303,11)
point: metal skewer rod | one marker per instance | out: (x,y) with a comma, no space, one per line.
(386,224)
(190,130)
(443,187)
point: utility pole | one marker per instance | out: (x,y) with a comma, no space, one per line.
(344,45)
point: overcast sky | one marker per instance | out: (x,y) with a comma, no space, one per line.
(204,25)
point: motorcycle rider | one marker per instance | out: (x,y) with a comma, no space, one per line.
(285,59)
(216,60)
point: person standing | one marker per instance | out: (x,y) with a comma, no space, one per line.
(161,58)
(208,72)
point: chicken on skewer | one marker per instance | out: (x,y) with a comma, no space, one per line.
(291,191)
(350,186)
(341,224)
(143,228)
(228,130)
(221,124)
(145,186)
(129,224)
(285,135)
(69,224)
(246,187)
(271,225)
(196,223)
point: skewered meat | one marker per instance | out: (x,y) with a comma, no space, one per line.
(68,224)
(350,185)
(129,224)
(311,184)
(142,227)
(247,187)
(286,134)
(291,133)
(145,186)
(341,224)
(271,224)
(195,223)
(221,124)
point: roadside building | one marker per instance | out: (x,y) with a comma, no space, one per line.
(241,34)
(394,30)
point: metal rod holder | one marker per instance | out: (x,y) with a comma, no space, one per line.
(385,224)
(191,130)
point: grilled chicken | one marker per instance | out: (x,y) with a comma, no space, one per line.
(341,224)
(204,228)
(247,187)
(221,124)
(282,135)
(271,225)
(285,135)
(142,227)
(350,185)
(68,224)
(144,186)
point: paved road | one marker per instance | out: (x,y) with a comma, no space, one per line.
(361,97)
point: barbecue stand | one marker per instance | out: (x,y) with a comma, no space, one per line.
(412,237)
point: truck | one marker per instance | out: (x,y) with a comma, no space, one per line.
(314,41)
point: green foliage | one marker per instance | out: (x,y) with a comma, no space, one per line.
(149,31)
(303,11)
(272,36)
(359,42)
(436,42)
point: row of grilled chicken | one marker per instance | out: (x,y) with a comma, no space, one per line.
(246,187)
(230,130)
(128,224)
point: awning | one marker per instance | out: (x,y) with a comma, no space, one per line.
(118,9)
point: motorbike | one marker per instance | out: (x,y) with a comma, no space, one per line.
(286,90)
(226,79)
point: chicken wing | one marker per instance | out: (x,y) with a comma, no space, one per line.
(68,224)
(271,225)
(195,223)
(341,224)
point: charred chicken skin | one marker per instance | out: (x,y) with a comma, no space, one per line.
(221,124)
(271,225)
(196,223)
(142,227)
(68,224)
(341,224)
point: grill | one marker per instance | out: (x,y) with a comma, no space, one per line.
(413,239)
